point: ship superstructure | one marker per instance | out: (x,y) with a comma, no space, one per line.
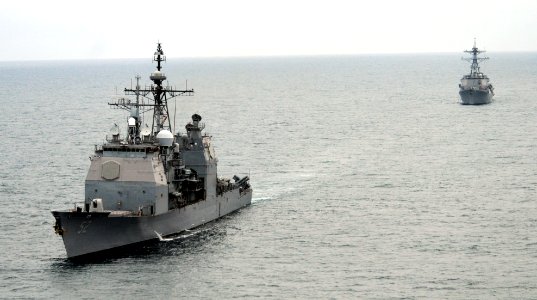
(475,88)
(150,182)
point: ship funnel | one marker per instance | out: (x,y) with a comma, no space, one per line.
(165,138)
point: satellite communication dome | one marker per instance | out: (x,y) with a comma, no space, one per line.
(145,131)
(114,130)
(165,138)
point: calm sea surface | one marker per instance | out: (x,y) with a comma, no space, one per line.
(370,180)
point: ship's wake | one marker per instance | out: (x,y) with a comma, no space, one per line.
(169,239)
(162,239)
(260,199)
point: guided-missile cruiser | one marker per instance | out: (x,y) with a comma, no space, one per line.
(148,183)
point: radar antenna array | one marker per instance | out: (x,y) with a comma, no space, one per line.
(157,95)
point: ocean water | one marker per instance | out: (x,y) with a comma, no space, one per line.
(370,180)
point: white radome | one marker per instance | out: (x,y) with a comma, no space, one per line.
(165,138)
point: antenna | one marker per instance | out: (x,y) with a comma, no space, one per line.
(475,59)
(161,92)
(174,113)
(154,97)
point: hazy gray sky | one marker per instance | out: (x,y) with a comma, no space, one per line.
(126,29)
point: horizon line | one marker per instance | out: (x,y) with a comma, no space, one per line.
(262,56)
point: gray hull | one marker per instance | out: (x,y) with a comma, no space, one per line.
(471,97)
(86,232)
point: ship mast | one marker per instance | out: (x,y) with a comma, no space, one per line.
(160,112)
(160,96)
(475,59)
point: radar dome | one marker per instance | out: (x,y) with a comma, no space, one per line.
(157,75)
(145,131)
(165,138)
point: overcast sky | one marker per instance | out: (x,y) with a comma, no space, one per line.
(37,30)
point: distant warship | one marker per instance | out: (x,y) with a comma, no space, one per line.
(475,88)
(150,182)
